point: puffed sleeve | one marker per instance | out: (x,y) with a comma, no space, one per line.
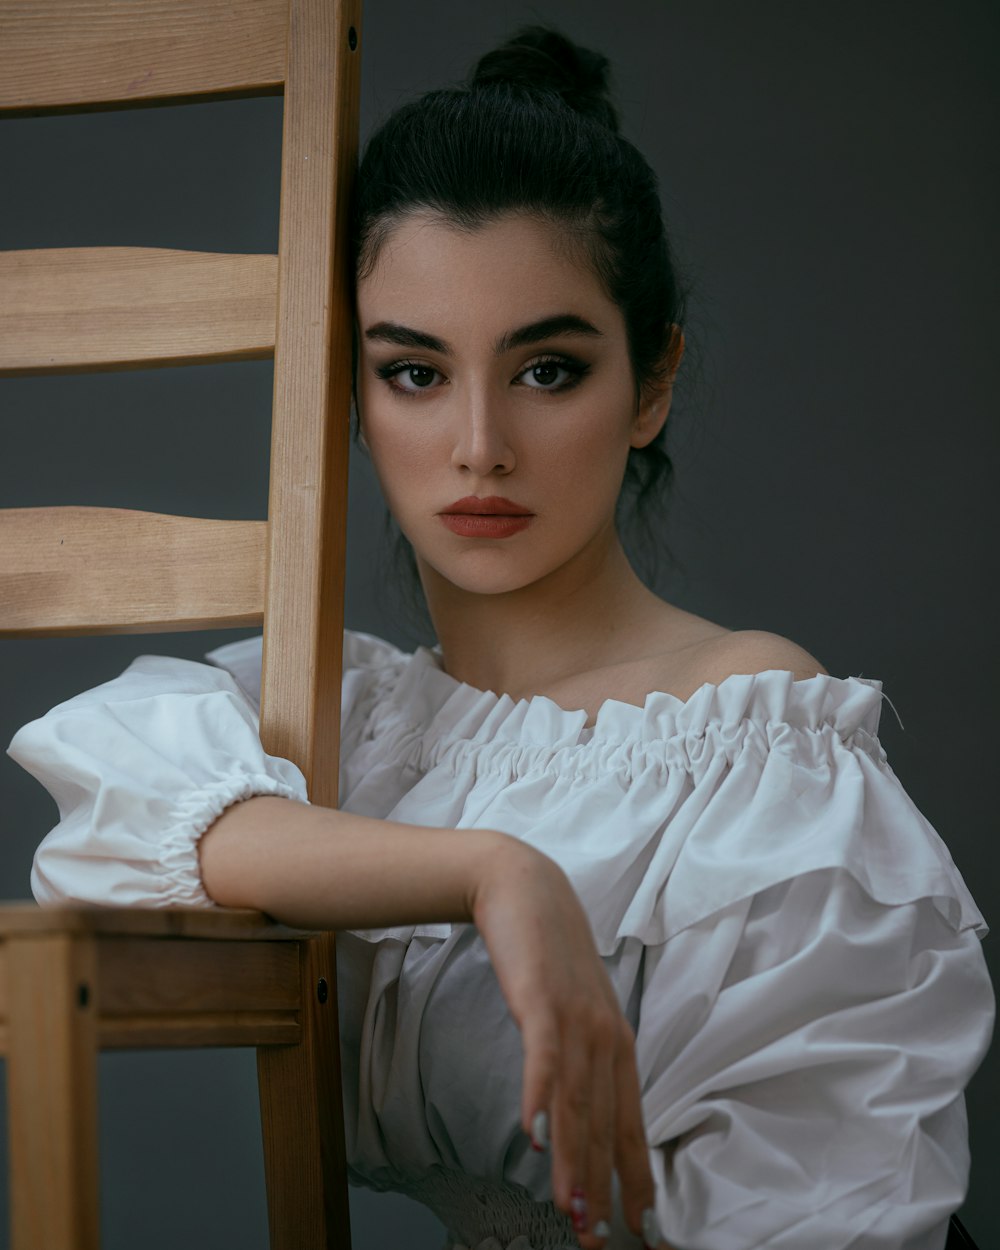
(808,1092)
(139,768)
(809,1025)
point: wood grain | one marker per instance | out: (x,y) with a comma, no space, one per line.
(223,1028)
(228,924)
(73,52)
(304,1147)
(300,712)
(119,307)
(177,976)
(242,983)
(75,570)
(301,1109)
(52,1094)
(164,990)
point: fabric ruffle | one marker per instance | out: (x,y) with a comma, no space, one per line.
(708,800)
(785,933)
(131,813)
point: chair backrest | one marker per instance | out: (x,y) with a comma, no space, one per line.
(106,570)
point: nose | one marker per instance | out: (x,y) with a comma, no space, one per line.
(482,444)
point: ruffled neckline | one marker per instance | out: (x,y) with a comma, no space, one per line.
(424,695)
(421,740)
(414,690)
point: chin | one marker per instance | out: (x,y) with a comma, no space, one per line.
(486,583)
(485,572)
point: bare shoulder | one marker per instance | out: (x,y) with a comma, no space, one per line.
(757,651)
(700,653)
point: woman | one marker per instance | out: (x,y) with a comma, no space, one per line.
(615,882)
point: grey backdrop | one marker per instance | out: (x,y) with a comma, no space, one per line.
(830,177)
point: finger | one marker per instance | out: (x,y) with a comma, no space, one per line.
(570,1119)
(638,1191)
(600,1152)
(540,1040)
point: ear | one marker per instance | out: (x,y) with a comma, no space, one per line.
(655,405)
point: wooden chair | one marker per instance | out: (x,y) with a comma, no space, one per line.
(76,979)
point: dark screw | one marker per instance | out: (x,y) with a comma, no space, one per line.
(83,994)
(322,989)
(352,39)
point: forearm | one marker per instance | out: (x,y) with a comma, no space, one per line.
(316,868)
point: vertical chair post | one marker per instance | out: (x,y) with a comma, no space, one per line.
(49,983)
(52,1091)
(303,617)
(301,1107)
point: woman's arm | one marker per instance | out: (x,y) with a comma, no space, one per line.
(318,868)
(166,797)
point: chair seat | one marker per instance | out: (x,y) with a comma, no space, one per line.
(229,923)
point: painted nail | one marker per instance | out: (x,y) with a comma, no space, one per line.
(578,1211)
(540,1130)
(601,1229)
(651,1234)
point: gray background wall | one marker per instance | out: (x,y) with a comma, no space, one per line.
(830,178)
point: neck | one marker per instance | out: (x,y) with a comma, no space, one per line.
(580,617)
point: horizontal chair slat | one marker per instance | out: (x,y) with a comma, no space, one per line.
(70,52)
(77,570)
(191,976)
(177,989)
(234,1028)
(238,924)
(122,307)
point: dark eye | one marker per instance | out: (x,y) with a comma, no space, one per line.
(420,377)
(407,376)
(553,374)
(546,373)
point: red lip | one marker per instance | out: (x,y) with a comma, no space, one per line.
(492,505)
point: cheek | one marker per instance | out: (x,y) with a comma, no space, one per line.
(590,452)
(403,449)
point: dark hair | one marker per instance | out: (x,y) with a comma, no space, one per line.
(534,131)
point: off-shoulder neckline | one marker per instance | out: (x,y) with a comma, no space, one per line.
(414,688)
(663,697)
(449,708)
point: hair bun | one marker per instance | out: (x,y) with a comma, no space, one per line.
(541,58)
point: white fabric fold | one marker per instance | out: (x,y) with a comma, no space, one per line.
(662,815)
(139,768)
(786,933)
(834,1026)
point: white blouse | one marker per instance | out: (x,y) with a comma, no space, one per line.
(788,936)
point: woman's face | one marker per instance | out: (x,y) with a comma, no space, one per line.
(494,365)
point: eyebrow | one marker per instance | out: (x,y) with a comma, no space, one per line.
(548,327)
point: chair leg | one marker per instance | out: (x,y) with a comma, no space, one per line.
(301,1107)
(52,1092)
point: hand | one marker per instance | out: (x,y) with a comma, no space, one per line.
(579,1050)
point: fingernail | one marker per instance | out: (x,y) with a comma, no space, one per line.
(578,1211)
(601,1229)
(651,1234)
(540,1130)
